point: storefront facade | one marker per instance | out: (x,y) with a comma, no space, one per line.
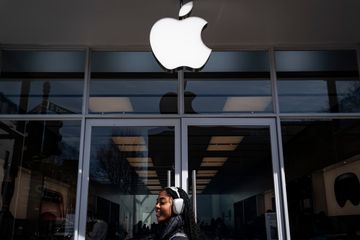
(265,138)
(268,138)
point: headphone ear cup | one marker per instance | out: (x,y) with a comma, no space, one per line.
(178,206)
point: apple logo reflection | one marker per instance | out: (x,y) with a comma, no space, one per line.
(168,103)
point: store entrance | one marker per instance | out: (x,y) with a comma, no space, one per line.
(231,177)
(126,163)
(226,165)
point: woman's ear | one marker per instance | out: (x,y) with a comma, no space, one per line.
(171,200)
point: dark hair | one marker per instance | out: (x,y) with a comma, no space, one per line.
(190,227)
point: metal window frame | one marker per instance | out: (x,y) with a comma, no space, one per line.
(238,122)
(90,123)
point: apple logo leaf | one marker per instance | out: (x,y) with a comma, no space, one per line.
(185,9)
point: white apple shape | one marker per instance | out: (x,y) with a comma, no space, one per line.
(177,43)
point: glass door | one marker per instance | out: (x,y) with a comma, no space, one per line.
(232,177)
(126,163)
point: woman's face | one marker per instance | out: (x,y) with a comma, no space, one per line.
(163,207)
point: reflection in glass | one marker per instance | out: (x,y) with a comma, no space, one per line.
(133,96)
(41,82)
(131,82)
(231,82)
(322,167)
(235,192)
(237,61)
(318,81)
(228,95)
(124,62)
(128,168)
(38,174)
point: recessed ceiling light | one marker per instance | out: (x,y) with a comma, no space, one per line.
(152,188)
(213,161)
(206,173)
(247,104)
(140,162)
(224,143)
(110,104)
(148,181)
(135,148)
(129,140)
(146,173)
(226,139)
(142,165)
(203,181)
(130,143)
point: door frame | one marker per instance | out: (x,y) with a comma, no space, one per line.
(181,157)
(263,122)
(85,168)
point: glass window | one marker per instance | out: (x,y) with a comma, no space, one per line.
(41,82)
(131,82)
(128,168)
(318,81)
(234,181)
(322,167)
(38,173)
(231,82)
(241,61)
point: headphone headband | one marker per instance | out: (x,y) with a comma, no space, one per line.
(175,189)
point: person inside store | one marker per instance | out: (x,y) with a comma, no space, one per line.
(175,216)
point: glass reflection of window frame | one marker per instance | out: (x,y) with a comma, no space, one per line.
(111,101)
(226,67)
(127,72)
(317,67)
(47,67)
(45,183)
(227,103)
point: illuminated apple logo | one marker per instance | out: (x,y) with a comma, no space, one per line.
(177,43)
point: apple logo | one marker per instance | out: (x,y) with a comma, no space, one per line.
(177,43)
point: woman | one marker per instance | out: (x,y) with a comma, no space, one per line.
(175,216)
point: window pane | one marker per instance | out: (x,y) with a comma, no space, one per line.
(242,61)
(322,167)
(234,181)
(318,81)
(120,62)
(41,82)
(38,173)
(128,168)
(123,82)
(231,82)
(228,95)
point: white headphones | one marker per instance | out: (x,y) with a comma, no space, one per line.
(178,203)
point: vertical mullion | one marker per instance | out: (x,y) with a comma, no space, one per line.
(273,78)
(180,92)
(79,195)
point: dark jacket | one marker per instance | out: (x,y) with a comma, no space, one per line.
(173,229)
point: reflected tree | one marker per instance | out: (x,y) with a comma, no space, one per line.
(351,102)
(115,166)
